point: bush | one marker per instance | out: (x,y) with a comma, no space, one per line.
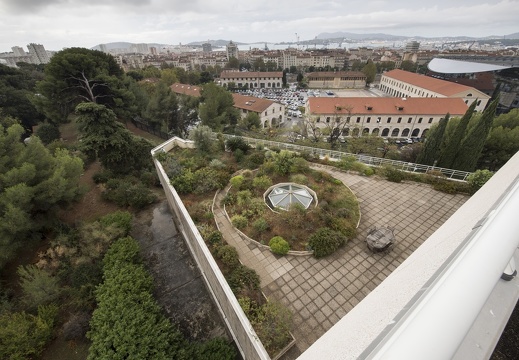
(121,219)
(102,176)
(76,327)
(325,241)
(477,179)
(208,179)
(260,225)
(228,255)
(244,279)
(299,165)
(272,323)
(48,133)
(237,143)
(239,221)
(393,175)
(128,193)
(214,349)
(229,199)
(237,181)
(239,155)
(299,179)
(278,245)
(215,239)
(23,336)
(261,182)
(243,197)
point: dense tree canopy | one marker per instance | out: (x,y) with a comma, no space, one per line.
(370,70)
(105,138)
(32,182)
(217,107)
(78,75)
(433,143)
(16,92)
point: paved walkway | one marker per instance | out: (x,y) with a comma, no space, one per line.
(320,292)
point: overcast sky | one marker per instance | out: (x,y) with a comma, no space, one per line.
(66,23)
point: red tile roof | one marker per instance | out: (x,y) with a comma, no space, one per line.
(443,87)
(251,103)
(184,89)
(386,106)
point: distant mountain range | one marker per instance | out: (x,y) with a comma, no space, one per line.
(380,36)
(323,37)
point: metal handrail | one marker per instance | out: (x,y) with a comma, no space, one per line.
(366,159)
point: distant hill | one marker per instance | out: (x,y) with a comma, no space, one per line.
(217,43)
(353,36)
(381,36)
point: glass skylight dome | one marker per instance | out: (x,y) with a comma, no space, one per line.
(284,195)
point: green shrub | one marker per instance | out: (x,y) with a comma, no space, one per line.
(278,245)
(260,225)
(120,219)
(229,199)
(228,255)
(239,221)
(477,179)
(184,183)
(215,239)
(207,179)
(254,208)
(255,159)
(393,174)
(243,197)
(262,182)
(239,155)
(124,192)
(149,178)
(24,336)
(48,133)
(299,179)
(325,241)
(102,177)
(299,165)
(273,323)
(237,143)
(214,349)
(243,279)
(217,164)
(237,181)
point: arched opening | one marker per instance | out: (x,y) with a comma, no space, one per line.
(365,131)
(268,85)
(375,131)
(385,132)
(395,132)
(405,132)
(266,124)
(355,132)
(346,132)
(425,132)
(416,133)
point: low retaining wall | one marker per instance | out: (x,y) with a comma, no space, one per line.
(239,326)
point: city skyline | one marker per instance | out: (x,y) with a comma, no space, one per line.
(70,23)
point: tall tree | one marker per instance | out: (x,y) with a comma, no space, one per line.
(217,107)
(431,150)
(33,183)
(453,143)
(105,138)
(162,111)
(78,75)
(370,70)
(472,145)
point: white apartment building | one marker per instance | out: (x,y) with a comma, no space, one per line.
(387,117)
(252,79)
(405,84)
(38,54)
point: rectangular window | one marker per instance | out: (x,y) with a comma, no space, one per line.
(368,119)
(399,120)
(265,113)
(388,120)
(409,120)
(318,119)
(420,120)
(430,120)
(358,119)
(348,119)
(327,119)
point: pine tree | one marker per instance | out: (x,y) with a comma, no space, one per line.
(448,154)
(431,149)
(471,147)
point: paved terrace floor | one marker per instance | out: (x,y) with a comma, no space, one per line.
(321,291)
